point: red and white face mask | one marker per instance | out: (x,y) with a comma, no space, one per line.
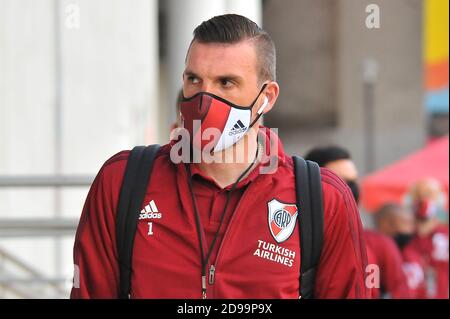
(230,122)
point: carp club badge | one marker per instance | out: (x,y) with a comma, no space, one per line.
(282,219)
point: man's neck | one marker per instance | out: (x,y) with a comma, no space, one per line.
(230,163)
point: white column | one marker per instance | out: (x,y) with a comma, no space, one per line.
(110,86)
(251,9)
(26,115)
(107,89)
(183,17)
(153,133)
(110,80)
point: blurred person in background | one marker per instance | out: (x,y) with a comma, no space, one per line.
(399,223)
(381,250)
(427,200)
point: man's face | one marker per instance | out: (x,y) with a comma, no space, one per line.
(428,189)
(226,70)
(404,222)
(344,168)
(397,221)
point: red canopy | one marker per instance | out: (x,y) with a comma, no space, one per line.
(392,182)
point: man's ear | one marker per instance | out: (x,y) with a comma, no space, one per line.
(272,91)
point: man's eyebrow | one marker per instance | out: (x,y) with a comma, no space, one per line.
(190,73)
(232,77)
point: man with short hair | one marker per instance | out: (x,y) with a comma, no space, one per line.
(381,250)
(428,202)
(222,228)
(398,223)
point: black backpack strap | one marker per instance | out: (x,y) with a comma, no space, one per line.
(308,189)
(134,185)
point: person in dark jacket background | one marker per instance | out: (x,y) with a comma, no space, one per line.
(381,250)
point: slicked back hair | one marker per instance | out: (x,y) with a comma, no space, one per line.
(233,28)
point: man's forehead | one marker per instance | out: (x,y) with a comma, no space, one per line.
(344,168)
(222,58)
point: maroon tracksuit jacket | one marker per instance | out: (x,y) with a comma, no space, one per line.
(382,251)
(255,258)
(434,250)
(414,267)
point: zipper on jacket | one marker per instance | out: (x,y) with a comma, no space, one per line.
(204,287)
(201,231)
(212,268)
(237,208)
(212,271)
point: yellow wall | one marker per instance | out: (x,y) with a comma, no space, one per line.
(436,31)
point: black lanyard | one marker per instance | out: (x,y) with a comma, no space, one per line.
(205,260)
